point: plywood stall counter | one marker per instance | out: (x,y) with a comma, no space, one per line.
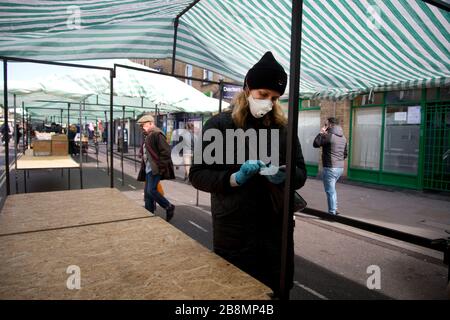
(29,161)
(120,250)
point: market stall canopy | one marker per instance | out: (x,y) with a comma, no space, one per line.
(348,47)
(136,90)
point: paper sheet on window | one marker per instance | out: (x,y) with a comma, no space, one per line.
(413,115)
(400,116)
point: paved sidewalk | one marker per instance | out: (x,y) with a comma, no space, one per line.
(400,210)
(404,210)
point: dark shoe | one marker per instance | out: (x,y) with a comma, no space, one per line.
(170,212)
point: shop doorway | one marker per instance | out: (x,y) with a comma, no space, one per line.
(437,147)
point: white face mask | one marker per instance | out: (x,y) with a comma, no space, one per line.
(258,107)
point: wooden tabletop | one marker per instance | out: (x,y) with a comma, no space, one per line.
(122,252)
(30,162)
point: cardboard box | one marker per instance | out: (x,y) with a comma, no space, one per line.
(60,145)
(42,148)
(59,137)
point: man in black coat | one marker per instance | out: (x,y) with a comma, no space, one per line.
(247,216)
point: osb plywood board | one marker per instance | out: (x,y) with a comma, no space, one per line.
(29,162)
(135,259)
(49,210)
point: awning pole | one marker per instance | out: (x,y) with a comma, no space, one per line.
(134,141)
(81,149)
(123,143)
(15,144)
(61,122)
(111,126)
(5,119)
(174,49)
(220,95)
(439,4)
(106,128)
(24,131)
(87,133)
(294,84)
(23,127)
(96,140)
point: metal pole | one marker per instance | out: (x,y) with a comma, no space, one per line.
(61,122)
(123,142)
(15,145)
(5,118)
(96,140)
(441,4)
(294,84)
(220,95)
(107,160)
(174,50)
(87,133)
(111,126)
(24,145)
(134,141)
(81,150)
(68,124)
(29,139)
(23,127)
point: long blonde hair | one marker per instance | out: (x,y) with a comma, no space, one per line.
(241,111)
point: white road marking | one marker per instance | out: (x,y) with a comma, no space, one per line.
(189,205)
(103,170)
(132,187)
(315,293)
(200,209)
(196,225)
(119,179)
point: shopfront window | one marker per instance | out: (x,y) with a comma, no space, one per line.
(445,94)
(367,99)
(366,138)
(401,139)
(308,128)
(403,96)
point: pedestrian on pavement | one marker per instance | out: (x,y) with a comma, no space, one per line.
(6,133)
(188,148)
(247,219)
(334,152)
(156,164)
(18,134)
(71,134)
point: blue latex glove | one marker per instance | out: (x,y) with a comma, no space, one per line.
(275,175)
(248,169)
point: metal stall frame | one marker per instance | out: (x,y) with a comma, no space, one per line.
(6,105)
(293,114)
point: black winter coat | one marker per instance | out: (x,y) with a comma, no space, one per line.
(246,226)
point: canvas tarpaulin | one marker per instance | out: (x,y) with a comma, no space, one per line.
(348,47)
(136,90)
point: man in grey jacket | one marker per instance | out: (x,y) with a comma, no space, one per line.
(334,152)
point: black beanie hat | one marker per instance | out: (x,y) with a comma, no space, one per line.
(267,73)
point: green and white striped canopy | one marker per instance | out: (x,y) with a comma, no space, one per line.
(348,47)
(137,91)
